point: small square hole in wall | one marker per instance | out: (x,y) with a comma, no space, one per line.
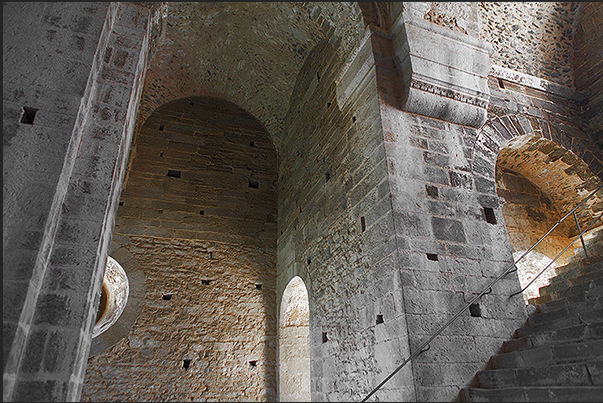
(28,115)
(324,337)
(186,363)
(490,217)
(475,310)
(205,282)
(253,363)
(379,319)
(258,286)
(251,144)
(167,297)
(121,203)
(432,256)
(432,191)
(160,128)
(254,184)
(201,212)
(191,103)
(362,224)
(327,176)
(173,173)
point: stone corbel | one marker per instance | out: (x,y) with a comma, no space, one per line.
(444,73)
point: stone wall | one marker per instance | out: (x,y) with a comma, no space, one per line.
(45,69)
(531,38)
(198,213)
(335,227)
(588,74)
(448,252)
(46,359)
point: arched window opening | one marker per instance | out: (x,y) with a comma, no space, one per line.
(538,183)
(294,343)
(114,296)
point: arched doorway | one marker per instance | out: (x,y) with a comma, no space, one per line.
(294,343)
(539,182)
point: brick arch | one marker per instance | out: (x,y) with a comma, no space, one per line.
(498,131)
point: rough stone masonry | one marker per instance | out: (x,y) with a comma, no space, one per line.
(391,158)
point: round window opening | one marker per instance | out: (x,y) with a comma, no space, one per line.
(114,296)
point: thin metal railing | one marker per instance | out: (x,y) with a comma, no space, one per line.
(488,288)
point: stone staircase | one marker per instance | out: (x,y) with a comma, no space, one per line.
(557,355)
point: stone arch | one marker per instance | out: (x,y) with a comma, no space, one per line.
(294,342)
(499,130)
(538,181)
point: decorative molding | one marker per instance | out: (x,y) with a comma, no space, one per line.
(536,83)
(449,93)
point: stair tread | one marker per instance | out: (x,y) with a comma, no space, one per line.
(549,355)
(571,334)
(570,374)
(535,393)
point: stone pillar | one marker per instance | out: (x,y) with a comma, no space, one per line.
(49,353)
(447,250)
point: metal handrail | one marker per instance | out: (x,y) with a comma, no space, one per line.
(559,255)
(488,289)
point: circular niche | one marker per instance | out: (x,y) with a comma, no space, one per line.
(114,296)
(115,319)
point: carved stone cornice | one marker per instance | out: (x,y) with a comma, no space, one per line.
(443,73)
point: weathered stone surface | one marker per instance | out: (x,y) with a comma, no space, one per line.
(364,156)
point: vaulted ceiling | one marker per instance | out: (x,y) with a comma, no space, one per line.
(247,53)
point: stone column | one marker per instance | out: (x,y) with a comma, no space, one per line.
(48,357)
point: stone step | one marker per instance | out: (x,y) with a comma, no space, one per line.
(589,300)
(582,332)
(579,288)
(572,278)
(533,394)
(569,310)
(577,374)
(580,264)
(549,355)
(547,304)
(577,275)
(593,274)
(553,323)
(575,293)
(572,282)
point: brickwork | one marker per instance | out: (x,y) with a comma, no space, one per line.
(447,251)
(62,298)
(202,168)
(213,339)
(258,78)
